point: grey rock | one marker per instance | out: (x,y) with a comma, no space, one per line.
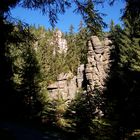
(95,41)
(95,72)
(98,62)
(99,51)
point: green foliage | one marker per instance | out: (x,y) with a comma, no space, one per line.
(81,39)
(51,64)
(54,113)
(91,17)
(20,88)
(127,40)
(122,106)
(25,72)
(29,63)
(115,36)
(130,53)
(72,55)
(77,48)
(85,120)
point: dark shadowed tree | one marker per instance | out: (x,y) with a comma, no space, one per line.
(123,86)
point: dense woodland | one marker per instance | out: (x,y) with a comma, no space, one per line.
(26,71)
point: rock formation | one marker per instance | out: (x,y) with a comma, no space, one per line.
(80,76)
(98,58)
(93,74)
(60,42)
(65,87)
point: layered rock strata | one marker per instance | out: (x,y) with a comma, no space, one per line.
(60,42)
(98,58)
(93,74)
(65,87)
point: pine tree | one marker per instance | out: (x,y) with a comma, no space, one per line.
(115,36)
(91,17)
(130,47)
(130,60)
(71,30)
(81,42)
(123,82)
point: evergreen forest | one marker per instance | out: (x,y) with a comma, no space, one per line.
(30,62)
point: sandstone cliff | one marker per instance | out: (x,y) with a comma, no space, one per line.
(90,76)
(60,42)
(97,68)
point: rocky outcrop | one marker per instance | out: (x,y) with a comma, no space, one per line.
(65,87)
(98,58)
(93,75)
(60,42)
(80,76)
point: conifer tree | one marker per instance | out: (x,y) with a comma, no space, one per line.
(130,47)
(123,105)
(81,40)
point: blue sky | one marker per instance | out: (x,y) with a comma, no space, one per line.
(36,18)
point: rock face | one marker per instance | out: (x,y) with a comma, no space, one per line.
(93,74)
(60,42)
(80,76)
(98,58)
(64,87)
